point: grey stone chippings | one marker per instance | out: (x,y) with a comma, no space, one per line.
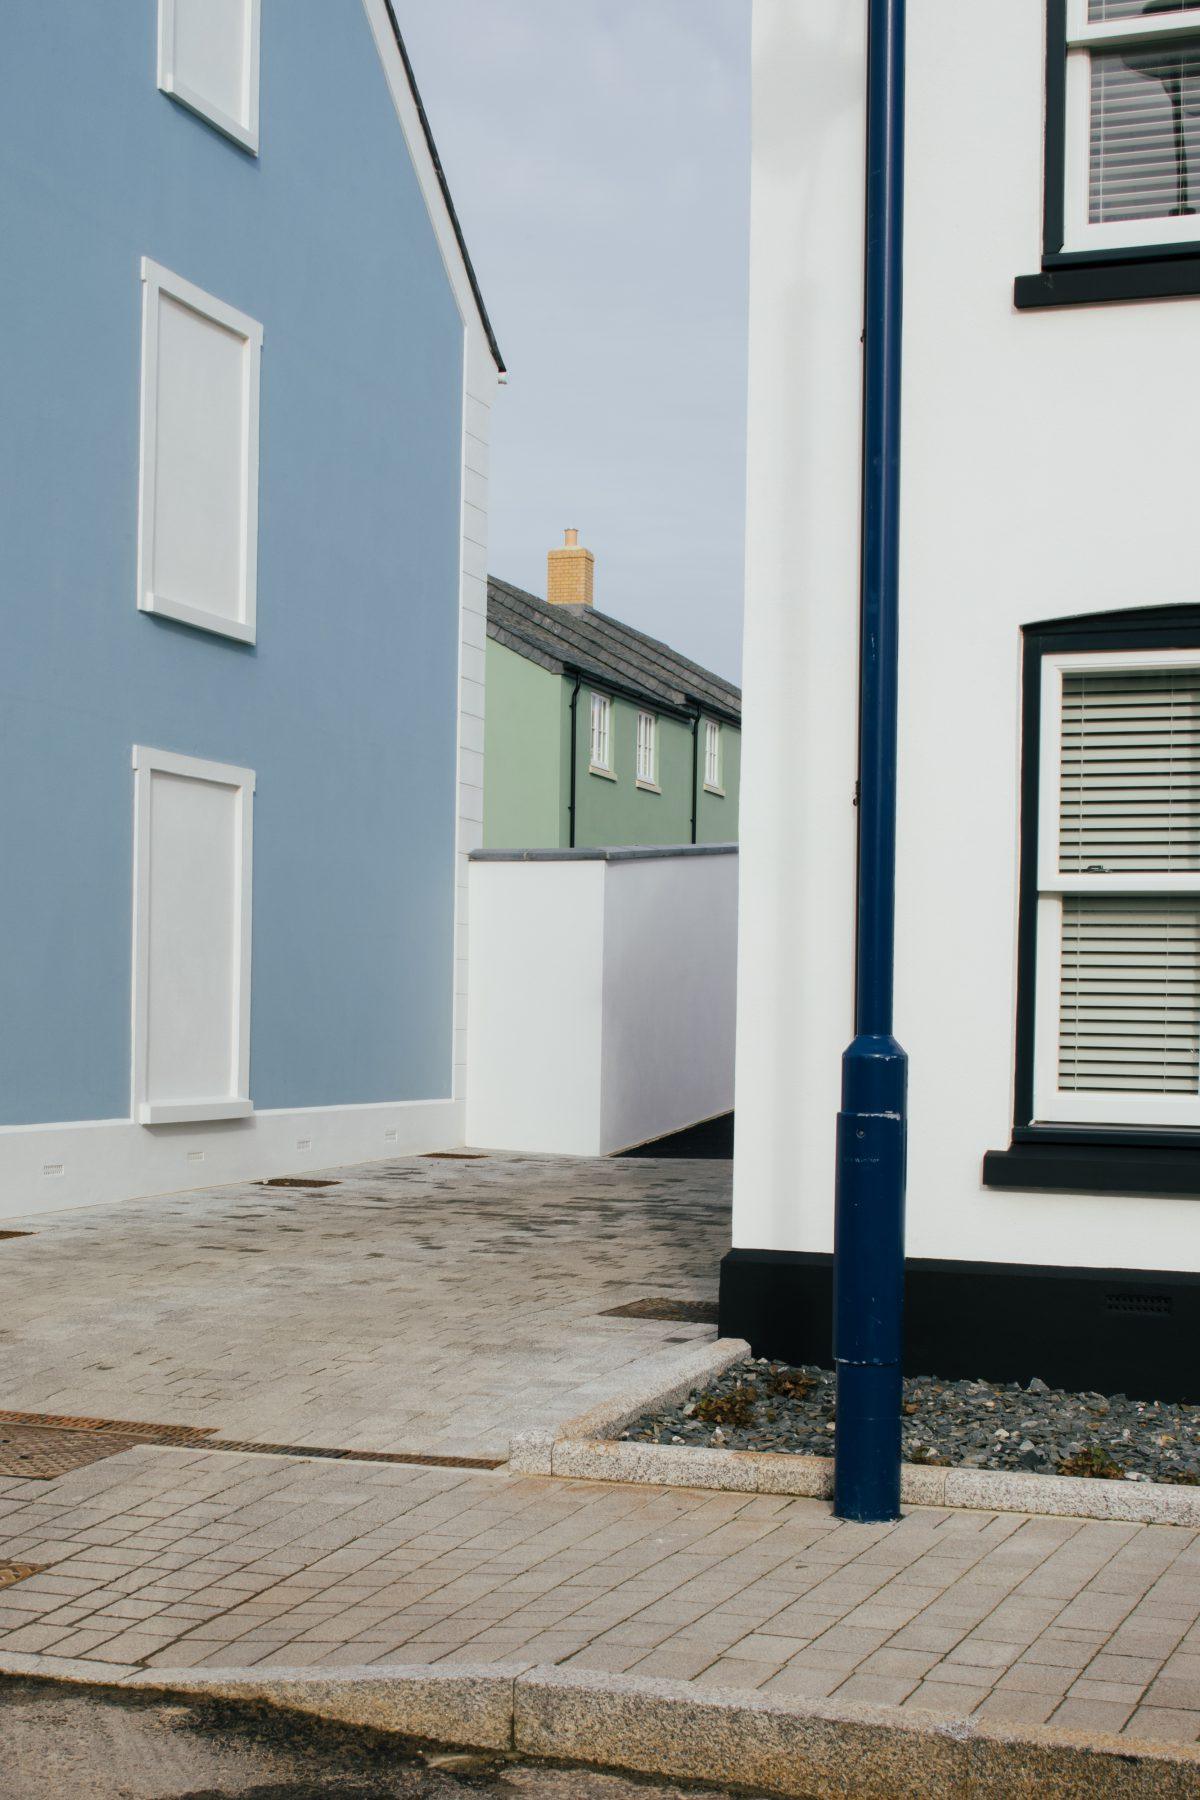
(957,1424)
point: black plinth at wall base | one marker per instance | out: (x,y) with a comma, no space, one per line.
(1128,1331)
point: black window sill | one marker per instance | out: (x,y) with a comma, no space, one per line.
(1095,1169)
(1092,284)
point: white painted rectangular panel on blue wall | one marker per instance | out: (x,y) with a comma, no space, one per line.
(208,59)
(192,939)
(198,538)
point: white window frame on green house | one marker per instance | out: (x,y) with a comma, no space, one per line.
(712,757)
(600,755)
(1133,786)
(647,751)
(1122,135)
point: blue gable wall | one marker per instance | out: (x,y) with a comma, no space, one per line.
(346,708)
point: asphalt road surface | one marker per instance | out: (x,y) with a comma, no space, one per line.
(68,1744)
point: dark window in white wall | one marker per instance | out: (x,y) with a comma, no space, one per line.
(1123,131)
(1118,931)
(208,52)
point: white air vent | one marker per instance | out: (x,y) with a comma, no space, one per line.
(391,1137)
(54,1169)
(304,1143)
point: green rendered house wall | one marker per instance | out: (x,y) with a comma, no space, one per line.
(620,812)
(527,769)
(524,775)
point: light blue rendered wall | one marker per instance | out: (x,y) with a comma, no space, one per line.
(346,707)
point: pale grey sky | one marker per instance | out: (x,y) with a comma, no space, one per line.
(598,152)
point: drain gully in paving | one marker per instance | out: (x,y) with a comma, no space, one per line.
(41,1446)
(668,1312)
(12,1572)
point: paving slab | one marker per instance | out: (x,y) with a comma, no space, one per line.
(167,1561)
(418,1305)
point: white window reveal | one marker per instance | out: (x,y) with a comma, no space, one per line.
(198,505)
(1118,1006)
(193,836)
(1132,152)
(601,753)
(712,756)
(647,749)
(208,53)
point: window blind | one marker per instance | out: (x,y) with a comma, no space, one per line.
(1144,139)
(1100,12)
(1129,1009)
(1130,781)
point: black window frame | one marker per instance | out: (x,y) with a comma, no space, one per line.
(1089,277)
(1080,1158)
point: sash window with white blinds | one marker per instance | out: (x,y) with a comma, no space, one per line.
(1118,947)
(1132,138)
(647,749)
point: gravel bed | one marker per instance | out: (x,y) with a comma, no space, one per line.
(763,1405)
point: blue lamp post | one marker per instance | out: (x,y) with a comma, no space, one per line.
(869,1227)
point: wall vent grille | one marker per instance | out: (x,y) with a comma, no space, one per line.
(1147,1305)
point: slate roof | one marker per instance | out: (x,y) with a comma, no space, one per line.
(578,640)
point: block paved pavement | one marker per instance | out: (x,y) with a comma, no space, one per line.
(417,1305)
(193,1559)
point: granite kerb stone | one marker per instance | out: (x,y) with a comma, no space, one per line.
(773,1472)
(674,1730)
(869,1752)
(468,1705)
(530,1452)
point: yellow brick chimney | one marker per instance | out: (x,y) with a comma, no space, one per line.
(569,573)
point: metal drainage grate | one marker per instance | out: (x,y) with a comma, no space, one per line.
(11,1573)
(453,1156)
(300,1181)
(411,1458)
(669,1312)
(15,1234)
(1157,1305)
(41,1446)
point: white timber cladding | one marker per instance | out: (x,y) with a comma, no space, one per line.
(712,755)
(601,747)
(198,500)
(481,378)
(647,749)
(208,60)
(1006,523)
(1132,143)
(193,845)
(1118,1004)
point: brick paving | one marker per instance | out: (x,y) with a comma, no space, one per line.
(438,1307)
(190,1559)
(419,1305)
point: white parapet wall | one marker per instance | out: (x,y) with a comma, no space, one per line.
(602,996)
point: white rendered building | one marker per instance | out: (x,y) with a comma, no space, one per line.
(1048,880)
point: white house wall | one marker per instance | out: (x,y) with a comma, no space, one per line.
(1049,468)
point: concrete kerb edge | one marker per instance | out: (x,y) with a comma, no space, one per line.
(811,1477)
(585,1449)
(531,1452)
(670,1729)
